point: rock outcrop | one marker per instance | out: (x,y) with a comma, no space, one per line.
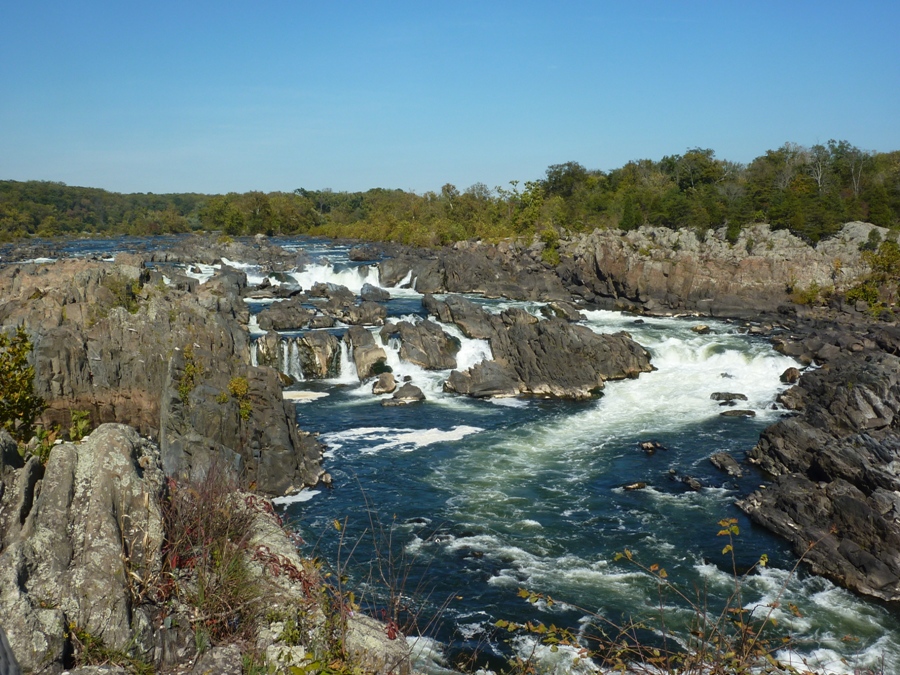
(85,554)
(116,340)
(423,343)
(80,546)
(369,358)
(836,464)
(542,357)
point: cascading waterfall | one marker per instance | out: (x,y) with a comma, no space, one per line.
(352,277)
(347,368)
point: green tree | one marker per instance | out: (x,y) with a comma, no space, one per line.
(19,405)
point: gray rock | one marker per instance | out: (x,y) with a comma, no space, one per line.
(8,663)
(725,462)
(285,315)
(369,357)
(738,413)
(727,396)
(385,384)
(408,393)
(94,527)
(370,293)
(484,380)
(224,660)
(424,344)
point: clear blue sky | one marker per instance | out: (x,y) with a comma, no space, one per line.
(235,96)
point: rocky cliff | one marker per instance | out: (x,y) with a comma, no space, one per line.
(94,569)
(136,344)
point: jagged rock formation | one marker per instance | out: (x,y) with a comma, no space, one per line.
(423,343)
(652,269)
(368,357)
(549,357)
(836,464)
(64,533)
(115,340)
(82,551)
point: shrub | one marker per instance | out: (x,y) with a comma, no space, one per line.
(240,389)
(206,556)
(192,370)
(19,405)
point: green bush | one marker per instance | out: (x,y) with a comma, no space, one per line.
(19,405)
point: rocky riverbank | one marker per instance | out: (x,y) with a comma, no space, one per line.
(139,341)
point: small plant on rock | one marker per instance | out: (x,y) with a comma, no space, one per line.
(240,389)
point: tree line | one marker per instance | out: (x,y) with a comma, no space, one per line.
(810,191)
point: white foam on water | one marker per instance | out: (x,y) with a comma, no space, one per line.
(303,496)
(376,439)
(563,660)
(203,272)
(471,351)
(253,271)
(353,278)
(509,402)
(347,368)
(427,656)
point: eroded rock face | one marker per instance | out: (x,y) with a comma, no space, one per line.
(88,549)
(423,343)
(837,472)
(113,339)
(655,268)
(369,357)
(542,357)
(94,524)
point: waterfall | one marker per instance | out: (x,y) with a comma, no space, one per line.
(347,374)
(293,365)
(253,355)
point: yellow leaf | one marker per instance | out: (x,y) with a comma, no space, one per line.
(337,524)
(727,549)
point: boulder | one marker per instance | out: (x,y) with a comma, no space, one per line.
(364,253)
(385,384)
(370,358)
(790,376)
(285,315)
(367,313)
(370,293)
(738,413)
(471,319)
(319,353)
(563,310)
(424,344)
(727,396)
(408,393)
(725,462)
(484,380)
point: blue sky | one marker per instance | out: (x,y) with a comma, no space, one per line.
(236,96)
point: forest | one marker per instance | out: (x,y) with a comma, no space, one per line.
(810,191)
